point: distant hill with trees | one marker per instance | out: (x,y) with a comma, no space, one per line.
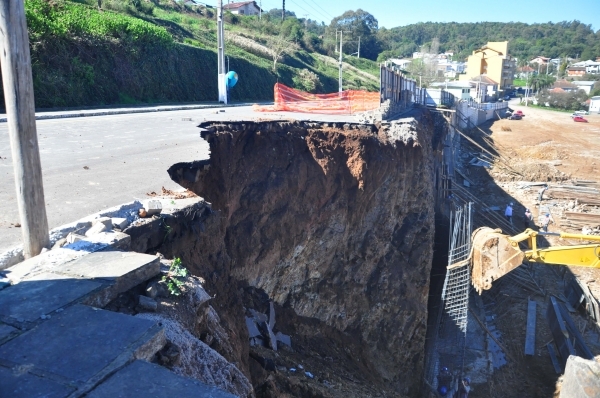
(525,41)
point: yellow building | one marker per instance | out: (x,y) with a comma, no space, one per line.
(492,61)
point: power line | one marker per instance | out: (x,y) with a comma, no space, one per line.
(304,9)
(322,9)
(321,14)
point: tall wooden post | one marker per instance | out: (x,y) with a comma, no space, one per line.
(20,110)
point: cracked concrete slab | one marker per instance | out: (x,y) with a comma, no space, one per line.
(30,299)
(82,343)
(143,379)
(21,384)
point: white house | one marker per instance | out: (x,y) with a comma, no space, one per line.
(593,68)
(595,104)
(400,63)
(584,85)
(460,89)
(243,8)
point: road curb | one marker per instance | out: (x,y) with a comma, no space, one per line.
(43,116)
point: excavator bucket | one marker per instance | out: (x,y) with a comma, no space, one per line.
(493,256)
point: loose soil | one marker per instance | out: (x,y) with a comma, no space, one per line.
(544,146)
(544,137)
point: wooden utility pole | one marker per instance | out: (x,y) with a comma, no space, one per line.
(20,112)
(283,11)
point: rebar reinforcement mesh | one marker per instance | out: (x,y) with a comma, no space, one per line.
(448,346)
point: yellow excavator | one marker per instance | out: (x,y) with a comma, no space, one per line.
(495,254)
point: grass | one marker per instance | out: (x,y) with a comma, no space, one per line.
(158,51)
(520,82)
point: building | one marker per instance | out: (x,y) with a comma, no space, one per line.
(400,63)
(492,62)
(243,8)
(460,90)
(595,104)
(593,68)
(540,60)
(576,71)
(564,86)
(586,86)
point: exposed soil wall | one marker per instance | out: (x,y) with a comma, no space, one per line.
(334,223)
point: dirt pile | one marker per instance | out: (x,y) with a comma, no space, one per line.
(334,223)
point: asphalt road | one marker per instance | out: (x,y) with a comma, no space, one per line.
(126,157)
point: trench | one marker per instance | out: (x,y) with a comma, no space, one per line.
(333,225)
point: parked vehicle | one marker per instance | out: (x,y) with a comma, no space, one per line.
(581,113)
(520,113)
(580,119)
(515,116)
(506,97)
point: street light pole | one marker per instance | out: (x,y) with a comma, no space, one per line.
(221,54)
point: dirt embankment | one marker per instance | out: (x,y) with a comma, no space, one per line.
(334,223)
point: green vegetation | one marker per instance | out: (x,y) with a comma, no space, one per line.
(567,100)
(175,277)
(520,82)
(148,51)
(141,51)
(572,39)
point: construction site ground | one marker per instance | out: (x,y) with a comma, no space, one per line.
(545,146)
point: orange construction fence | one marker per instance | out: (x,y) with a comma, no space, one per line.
(344,103)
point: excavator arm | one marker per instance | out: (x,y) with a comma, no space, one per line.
(495,255)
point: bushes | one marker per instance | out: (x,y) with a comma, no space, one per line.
(63,19)
(568,100)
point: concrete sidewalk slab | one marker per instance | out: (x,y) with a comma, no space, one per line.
(27,301)
(83,344)
(142,379)
(26,385)
(6,332)
(118,271)
(54,259)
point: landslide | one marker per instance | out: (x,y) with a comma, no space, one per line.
(334,223)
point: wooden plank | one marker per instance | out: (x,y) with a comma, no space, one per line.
(530,336)
(20,113)
(554,359)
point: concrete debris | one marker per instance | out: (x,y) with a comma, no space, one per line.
(284,339)
(119,222)
(106,221)
(260,331)
(96,229)
(72,238)
(152,207)
(199,361)
(581,378)
(252,328)
(156,289)
(147,303)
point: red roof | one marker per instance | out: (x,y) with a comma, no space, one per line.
(231,6)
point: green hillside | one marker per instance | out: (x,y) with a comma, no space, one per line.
(133,51)
(525,41)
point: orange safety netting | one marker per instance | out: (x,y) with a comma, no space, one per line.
(344,103)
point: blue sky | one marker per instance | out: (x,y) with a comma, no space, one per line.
(392,13)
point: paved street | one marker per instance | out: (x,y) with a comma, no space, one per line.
(126,155)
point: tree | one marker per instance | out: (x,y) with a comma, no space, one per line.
(279,46)
(355,24)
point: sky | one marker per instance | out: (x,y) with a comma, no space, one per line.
(392,13)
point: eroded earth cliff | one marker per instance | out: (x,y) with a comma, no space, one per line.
(334,224)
